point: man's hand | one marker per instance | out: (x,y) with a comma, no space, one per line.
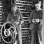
(40,42)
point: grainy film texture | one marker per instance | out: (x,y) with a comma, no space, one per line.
(21,21)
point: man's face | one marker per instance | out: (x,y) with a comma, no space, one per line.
(38,5)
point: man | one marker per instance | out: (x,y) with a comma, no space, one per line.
(15,17)
(37,14)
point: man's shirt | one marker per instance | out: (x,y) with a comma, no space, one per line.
(36,14)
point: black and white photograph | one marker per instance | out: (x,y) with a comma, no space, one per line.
(21,22)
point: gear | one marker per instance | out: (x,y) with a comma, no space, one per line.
(10,33)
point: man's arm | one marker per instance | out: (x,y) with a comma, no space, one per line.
(31,16)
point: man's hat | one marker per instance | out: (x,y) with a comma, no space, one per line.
(38,4)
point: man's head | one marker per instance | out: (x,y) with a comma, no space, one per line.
(38,5)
